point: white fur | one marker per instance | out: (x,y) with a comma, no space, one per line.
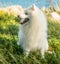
(33,34)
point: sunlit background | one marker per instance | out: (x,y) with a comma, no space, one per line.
(25,3)
(10,52)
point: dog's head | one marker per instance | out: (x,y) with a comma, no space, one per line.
(27,14)
(24,18)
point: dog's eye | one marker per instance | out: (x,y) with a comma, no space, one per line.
(26,13)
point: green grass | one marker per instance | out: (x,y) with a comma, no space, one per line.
(10,53)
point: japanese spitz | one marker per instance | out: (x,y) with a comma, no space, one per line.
(32,33)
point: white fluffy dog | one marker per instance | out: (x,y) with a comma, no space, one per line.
(33,30)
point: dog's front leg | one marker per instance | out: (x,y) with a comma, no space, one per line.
(42,52)
(20,37)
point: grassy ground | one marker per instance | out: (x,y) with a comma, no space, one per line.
(10,53)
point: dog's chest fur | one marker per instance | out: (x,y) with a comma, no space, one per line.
(31,35)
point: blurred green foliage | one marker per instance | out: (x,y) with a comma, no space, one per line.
(10,53)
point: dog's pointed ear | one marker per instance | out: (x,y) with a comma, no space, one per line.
(33,7)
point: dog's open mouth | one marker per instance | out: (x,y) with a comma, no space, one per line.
(26,20)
